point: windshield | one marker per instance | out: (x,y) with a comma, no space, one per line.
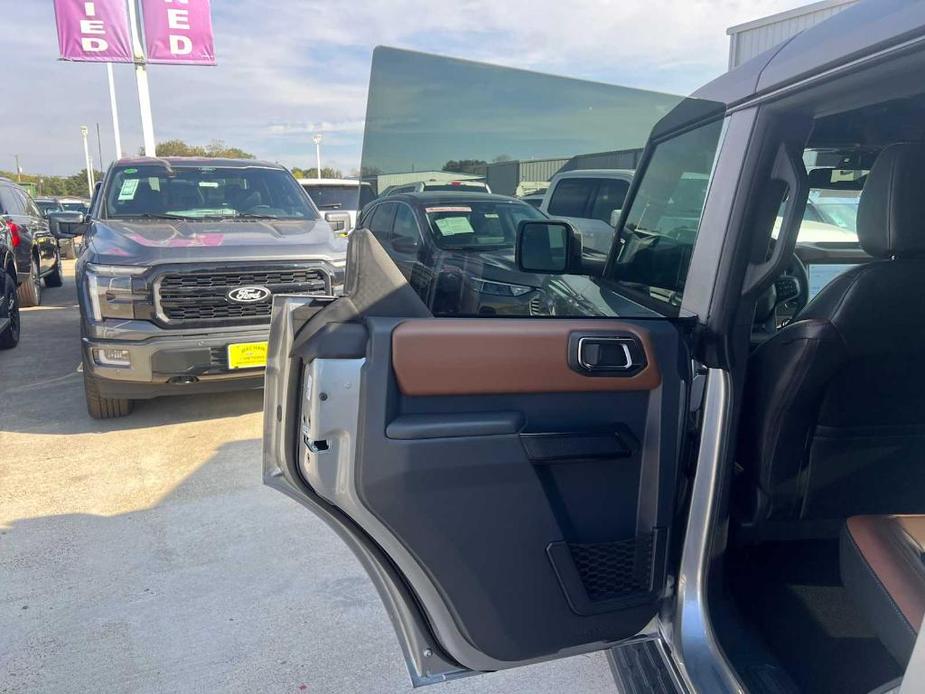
(333,197)
(474,226)
(205,192)
(46,206)
(75,206)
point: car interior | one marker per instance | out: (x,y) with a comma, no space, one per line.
(826,552)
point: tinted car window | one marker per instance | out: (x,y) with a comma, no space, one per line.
(570,197)
(11,202)
(381,221)
(611,193)
(329,197)
(405,224)
(662,224)
(477,225)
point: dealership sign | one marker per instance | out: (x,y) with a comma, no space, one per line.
(179,31)
(175,31)
(95,30)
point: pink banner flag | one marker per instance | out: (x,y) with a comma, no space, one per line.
(179,32)
(93,30)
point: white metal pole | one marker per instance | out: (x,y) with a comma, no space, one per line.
(317,140)
(141,78)
(84,131)
(115,111)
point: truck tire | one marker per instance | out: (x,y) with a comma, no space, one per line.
(100,407)
(9,338)
(30,291)
(53,278)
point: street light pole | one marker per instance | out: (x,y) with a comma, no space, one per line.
(18,169)
(316,138)
(84,131)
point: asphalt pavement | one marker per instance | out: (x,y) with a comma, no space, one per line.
(144,555)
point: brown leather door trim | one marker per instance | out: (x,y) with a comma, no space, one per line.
(462,356)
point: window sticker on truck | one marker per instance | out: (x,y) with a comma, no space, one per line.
(129,187)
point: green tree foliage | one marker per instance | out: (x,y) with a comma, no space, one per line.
(55,186)
(311,172)
(466,166)
(216,148)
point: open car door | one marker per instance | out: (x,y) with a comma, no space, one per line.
(509,484)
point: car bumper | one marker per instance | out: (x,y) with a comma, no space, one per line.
(173,364)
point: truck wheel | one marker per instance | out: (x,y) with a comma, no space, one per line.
(54,279)
(103,408)
(9,338)
(30,291)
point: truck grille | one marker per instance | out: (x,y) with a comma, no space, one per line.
(202,295)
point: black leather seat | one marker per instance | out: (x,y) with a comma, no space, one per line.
(834,410)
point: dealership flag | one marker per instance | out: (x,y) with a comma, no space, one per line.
(94,30)
(179,32)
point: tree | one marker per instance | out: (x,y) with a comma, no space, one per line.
(502,158)
(312,172)
(75,186)
(467,166)
(216,148)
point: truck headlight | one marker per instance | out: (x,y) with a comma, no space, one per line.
(114,290)
(499,288)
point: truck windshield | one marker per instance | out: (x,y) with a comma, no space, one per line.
(333,197)
(204,192)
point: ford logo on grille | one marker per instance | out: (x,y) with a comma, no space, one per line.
(248,295)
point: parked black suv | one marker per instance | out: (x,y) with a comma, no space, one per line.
(35,247)
(457,250)
(182,259)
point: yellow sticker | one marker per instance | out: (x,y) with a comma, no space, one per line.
(247,355)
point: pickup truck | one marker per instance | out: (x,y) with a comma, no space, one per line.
(182,259)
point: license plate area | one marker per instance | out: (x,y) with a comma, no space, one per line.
(247,355)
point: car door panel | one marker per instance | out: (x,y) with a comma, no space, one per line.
(525,510)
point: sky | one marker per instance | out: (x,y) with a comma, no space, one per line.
(290,68)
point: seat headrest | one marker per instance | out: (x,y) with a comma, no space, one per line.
(891,213)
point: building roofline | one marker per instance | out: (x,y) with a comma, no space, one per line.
(787,14)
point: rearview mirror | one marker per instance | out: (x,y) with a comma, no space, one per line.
(549,247)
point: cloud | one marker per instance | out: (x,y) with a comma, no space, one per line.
(288,67)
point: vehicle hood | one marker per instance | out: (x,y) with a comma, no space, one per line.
(497,266)
(143,242)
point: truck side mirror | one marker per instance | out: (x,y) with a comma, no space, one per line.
(548,247)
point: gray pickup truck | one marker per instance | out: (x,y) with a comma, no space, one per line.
(181,259)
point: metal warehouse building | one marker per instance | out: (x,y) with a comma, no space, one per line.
(752,38)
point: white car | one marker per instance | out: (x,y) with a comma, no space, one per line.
(338,199)
(591,200)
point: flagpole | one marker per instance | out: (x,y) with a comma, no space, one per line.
(141,79)
(115,111)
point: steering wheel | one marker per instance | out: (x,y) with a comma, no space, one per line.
(790,289)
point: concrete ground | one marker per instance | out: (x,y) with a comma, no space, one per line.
(144,555)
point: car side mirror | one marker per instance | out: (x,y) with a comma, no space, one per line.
(549,247)
(405,244)
(67,225)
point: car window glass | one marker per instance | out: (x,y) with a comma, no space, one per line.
(405,225)
(664,218)
(199,192)
(31,207)
(16,203)
(570,197)
(611,193)
(381,222)
(470,225)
